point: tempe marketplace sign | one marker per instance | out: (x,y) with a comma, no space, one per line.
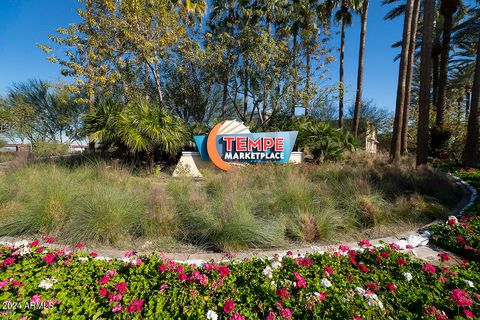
(230,141)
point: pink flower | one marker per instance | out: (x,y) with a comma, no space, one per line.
(36,299)
(129,253)
(357,317)
(180,268)
(229,306)
(328,271)
(182,276)
(33,244)
(134,306)
(364,243)
(442,278)
(103,292)
(237,316)
(49,240)
(384,254)
(39,250)
(391,287)
(118,308)
(287,313)
(343,248)
(429,268)
(93,254)
(394,246)
(80,245)
(49,258)
(409,246)
(322,296)
(468,313)
(461,298)
(162,268)
(300,281)
(363,268)
(271,316)
(121,287)
(224,271)
(103,280)
(8,261)
(113,298)
(289,253)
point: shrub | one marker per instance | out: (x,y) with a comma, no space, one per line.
(49,148)
(372,283)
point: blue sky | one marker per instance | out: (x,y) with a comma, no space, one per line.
(24,23)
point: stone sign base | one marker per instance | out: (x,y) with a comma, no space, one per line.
(191,164)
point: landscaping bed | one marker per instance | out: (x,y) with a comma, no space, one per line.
(461,234)
(264,206)
(370,283)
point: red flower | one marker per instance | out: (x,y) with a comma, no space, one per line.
(236,316)
(134,306)
(363,268)
(80,245)
(103,280)
(182,276)
(444,257)
(300,282)
(328,271)
(224,271)
(460,240)
(394,246)
(364,243)
(305,262)
(8,261)
(36,299)
(93,254)
(282,293)
(289,253)
(401,261)
(429,268)
(121,287)
(373,286)
(39,250)
(461,298)
(103,292)
(49,258)
(391,287)
(357,317)
(162,268)
(343,248)
(49,240)
(228,306)
(322,296)
(33,244)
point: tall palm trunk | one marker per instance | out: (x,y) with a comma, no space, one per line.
(295,74)
(342,62)
(425,82)
(470,153)
(447,9)
(307,83)
(395,147)
(408,88)
(361,64)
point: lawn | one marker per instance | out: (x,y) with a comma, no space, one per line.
(258,207)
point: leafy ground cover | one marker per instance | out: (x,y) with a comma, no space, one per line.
(368,283)
(462,235)
(263,206)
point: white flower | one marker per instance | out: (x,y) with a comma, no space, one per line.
(273,284)
(345,299)
(408,276)
(469,283)
(267,272)
(47,283)
(83,258)
(212,315)
(23,251)
(326,283)
(360,291)
(21,243)
(276,264)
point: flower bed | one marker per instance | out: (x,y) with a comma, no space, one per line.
(462,235)
(370,283)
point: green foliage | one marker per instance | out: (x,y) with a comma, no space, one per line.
(139,127)
(261,206)
(49,149)
(372,283)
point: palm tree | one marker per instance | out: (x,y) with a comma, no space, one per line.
(344,17)
(425,82)
(410,64)
(395,148)
(447,10)
(361,62)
